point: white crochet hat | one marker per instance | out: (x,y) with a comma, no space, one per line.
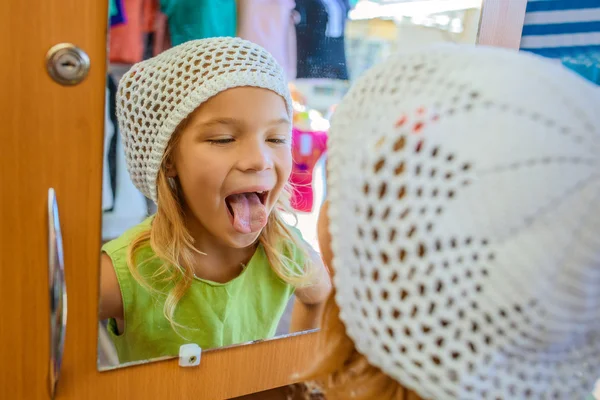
(156,95)
(464,188)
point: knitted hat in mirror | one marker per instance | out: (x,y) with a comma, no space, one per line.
(464,188)
(159,93)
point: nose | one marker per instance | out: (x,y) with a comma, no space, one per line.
(255,155)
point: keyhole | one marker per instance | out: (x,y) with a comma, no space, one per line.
(68,64)
(192,359)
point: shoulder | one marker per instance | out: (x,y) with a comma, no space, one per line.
(116,282)
(119,245)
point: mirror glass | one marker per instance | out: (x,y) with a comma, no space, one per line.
(146,313)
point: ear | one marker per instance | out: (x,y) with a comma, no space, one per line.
(170,170)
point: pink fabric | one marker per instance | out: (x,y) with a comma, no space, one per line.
(270,23)
(126,41)
(307,149)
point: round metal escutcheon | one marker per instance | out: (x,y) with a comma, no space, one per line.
(67,64)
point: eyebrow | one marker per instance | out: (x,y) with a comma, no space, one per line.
(236,122)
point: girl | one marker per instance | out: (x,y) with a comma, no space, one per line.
(206,130)
(465,236)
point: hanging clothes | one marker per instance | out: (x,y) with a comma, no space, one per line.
(307,149)
(561,27)
(156,31)
(116,11)
(320,38)
(586,64)
(126,41)
(270,23)
(199,19)
(162,38)
(123,205)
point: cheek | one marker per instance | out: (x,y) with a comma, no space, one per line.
(284,163)
(200,174)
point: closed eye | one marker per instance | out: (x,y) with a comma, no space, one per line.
(221,141)
(278,141)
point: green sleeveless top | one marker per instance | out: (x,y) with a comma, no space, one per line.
(212,314)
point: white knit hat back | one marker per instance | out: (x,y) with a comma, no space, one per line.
(156,95)
(464,187)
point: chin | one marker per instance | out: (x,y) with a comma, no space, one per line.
(241,241)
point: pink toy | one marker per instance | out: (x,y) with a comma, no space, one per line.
(307,148)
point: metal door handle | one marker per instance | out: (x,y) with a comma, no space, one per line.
(58,292)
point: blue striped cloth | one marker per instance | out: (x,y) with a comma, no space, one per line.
(568,30)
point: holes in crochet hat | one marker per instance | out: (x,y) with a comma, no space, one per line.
(375,234)
(401,192)
(384,258)
(431,309)
(386,213)
(375,275)
(382,190)
(399,143)
(392,235)
(379,165)
(370,213)
(405,213)
(411,231)
(402,254)
(390,332)
(385,294)
(421,250)
(399,168)
(366,188)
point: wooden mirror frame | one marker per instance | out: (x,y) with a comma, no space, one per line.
(52,137)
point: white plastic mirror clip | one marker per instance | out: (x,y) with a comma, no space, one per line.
(189,355)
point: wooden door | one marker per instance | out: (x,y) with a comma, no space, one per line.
(52,136)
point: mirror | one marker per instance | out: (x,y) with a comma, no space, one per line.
(323,46)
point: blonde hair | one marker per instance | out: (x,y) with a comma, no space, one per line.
(342,373)
(172,244)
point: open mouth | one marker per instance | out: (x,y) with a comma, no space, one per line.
(247,211)
(262,198)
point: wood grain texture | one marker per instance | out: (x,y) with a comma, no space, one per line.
(52,137)
(502,23)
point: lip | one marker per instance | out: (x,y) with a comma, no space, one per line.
(249,189)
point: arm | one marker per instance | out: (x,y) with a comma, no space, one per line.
(111,301)
(310,300)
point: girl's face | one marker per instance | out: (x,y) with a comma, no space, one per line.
(232,160)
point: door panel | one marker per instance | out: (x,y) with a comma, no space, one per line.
(52,138)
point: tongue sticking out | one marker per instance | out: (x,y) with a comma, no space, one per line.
(249,214)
